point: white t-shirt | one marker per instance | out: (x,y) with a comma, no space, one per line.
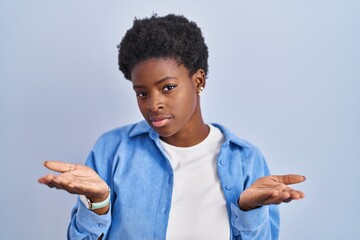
(198,207)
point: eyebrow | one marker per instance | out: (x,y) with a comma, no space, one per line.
(157,82)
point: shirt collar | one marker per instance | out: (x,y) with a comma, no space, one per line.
(143,127)
(231,137)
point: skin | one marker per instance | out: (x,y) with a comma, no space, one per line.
(168,98)
(167,93)
(77,179)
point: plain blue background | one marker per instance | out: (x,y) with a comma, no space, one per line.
(284,75)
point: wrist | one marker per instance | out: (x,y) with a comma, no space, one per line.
(245,206)
(96,203)
(100,196)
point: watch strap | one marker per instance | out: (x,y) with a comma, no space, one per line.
(97,205)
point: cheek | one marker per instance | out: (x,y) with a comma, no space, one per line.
(142,108)
(191,97)
(187,103)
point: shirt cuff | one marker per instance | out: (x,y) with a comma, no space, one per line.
(248,221)
(88,221)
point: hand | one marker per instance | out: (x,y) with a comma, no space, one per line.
(271,190)
(76,179)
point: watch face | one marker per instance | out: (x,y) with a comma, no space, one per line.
(86,201)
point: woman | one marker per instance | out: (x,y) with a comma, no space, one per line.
(172,176)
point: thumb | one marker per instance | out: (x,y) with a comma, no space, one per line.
(289,178)
(61,167)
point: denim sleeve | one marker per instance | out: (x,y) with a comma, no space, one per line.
(259,223)
(85,224)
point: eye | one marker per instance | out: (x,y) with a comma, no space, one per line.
(140,94)
(168,88)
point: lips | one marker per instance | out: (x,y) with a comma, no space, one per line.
(159,121)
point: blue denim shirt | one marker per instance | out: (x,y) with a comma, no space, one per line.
(133,163)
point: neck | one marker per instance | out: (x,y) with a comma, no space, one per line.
(187,138)
(193,133)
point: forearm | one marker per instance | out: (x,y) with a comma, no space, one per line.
(259,223)
(86,224)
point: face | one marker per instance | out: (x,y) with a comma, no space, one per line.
(168,97)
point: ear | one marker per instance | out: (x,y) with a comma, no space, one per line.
(199,79)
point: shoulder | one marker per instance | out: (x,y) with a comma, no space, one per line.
(247,148)
(251,160)
(116,135)
(233,138)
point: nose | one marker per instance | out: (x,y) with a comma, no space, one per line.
(154,104)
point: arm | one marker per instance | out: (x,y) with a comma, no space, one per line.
(271,190)
(77,179)
(254,210)
(257,216)
(82,180)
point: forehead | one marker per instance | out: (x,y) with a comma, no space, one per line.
(157,68)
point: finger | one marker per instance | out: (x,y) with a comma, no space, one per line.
(56,184)
(277,198)
(289,178)
(286,197)
(46,179)
(60,166)
(59,182)
(295,194)
(65,183)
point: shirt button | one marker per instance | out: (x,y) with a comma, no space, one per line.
(101,225)
(227,187)
(222,162)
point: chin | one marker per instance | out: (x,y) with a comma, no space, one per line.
(164,133)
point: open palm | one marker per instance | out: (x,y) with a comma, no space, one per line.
(75,179)
(271,190)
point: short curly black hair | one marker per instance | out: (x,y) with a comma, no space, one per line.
(170,36)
